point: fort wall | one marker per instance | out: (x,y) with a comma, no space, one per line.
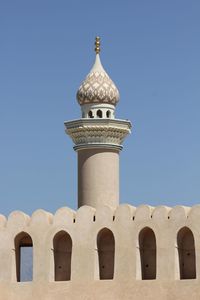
(126,223)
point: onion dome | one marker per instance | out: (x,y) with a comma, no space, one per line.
(97,87)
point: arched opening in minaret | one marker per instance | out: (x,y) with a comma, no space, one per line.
(106,253)
(24,257)
(186,253)
(62,246)
(99,113)
(147,246)
(108,113)
(90,114)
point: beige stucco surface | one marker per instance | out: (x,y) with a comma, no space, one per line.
(125,222)
(98,177)
(109,290)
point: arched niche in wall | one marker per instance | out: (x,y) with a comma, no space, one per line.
(62,244)
(99,113)
(24,257)
(186,253)
(90,114)
(106,253)
(108,113)
(147,247)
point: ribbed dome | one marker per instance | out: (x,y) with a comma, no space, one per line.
(98,87)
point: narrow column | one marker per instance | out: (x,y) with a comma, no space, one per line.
(98,177)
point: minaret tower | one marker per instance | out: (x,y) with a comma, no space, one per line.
(98,138)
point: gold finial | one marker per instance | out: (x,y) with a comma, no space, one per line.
(97,44)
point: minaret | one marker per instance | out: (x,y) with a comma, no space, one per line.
(98,138)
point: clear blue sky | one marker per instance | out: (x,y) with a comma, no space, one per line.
(151,49)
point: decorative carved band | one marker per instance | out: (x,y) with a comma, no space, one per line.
(98,134)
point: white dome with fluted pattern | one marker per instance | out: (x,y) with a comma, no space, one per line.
(97,87)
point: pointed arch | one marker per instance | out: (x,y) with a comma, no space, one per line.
(62,244)
(90,114)
(106,253)
(147,246)
(108,113)
(99,113)
(186,253)
(24,257)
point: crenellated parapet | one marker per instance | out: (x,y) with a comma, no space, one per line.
(124,213)
(142,245)
(125,222)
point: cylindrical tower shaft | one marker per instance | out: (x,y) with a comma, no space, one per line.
(98,177)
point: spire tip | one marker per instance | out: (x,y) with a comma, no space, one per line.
(97,44)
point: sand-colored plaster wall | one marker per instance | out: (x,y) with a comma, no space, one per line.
(125,222)
(98,177)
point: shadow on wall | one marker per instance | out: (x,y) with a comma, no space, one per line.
(62,245)
(105,241)
(106,253)
(147,247)
(186,254)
